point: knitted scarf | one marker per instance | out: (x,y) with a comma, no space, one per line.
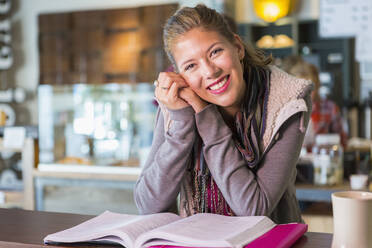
(249,126)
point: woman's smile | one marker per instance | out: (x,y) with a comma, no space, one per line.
(220,85)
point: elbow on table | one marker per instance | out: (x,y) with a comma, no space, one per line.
(255,206)
(146,207)
(150,206)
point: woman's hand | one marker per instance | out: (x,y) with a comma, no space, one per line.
(167,89)
(173,91)
(189,96)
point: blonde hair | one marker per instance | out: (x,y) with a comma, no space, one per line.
(208,19)
(255,63)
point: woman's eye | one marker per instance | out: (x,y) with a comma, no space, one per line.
(188,67)
(215,51)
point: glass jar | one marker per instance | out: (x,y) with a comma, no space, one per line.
(328,160)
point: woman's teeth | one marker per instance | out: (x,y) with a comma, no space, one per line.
(219,85)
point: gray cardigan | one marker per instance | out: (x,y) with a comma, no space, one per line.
(270,191)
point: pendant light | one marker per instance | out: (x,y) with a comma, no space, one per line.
(271,10)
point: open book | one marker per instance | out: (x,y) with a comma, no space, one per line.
(167,229)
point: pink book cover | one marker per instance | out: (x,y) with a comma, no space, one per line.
(281,236)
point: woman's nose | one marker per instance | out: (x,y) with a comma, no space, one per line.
(210,69)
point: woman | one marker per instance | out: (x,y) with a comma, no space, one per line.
(230,128)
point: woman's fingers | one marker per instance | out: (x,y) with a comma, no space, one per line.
(170,97)
(157,93)
(166,79)
(173,91)
(186,94)
(167,90)
(189,96)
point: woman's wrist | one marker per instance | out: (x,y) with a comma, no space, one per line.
(198,107)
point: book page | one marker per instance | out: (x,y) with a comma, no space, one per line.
(124,226)
(209,230)
(147,223)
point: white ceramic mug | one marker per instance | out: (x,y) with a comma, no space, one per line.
(352,219)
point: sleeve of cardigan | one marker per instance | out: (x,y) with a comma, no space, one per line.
(249,193)
(158,186)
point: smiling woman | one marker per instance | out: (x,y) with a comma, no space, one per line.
(229,128)
(211,66)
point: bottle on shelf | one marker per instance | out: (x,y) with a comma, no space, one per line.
(328,159)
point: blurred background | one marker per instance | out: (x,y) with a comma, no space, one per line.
(77,108)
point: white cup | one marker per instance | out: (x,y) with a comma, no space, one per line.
(358,182)
(352,219)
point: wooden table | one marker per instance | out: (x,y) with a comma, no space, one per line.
(24,228)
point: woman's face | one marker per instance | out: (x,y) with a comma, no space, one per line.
(211,66)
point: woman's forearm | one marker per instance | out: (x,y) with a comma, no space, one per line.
(159,183)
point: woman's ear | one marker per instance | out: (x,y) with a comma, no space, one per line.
(240,46)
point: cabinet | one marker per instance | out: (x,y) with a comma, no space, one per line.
(103,46)
(85,189)
(106,124)
(93,140)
